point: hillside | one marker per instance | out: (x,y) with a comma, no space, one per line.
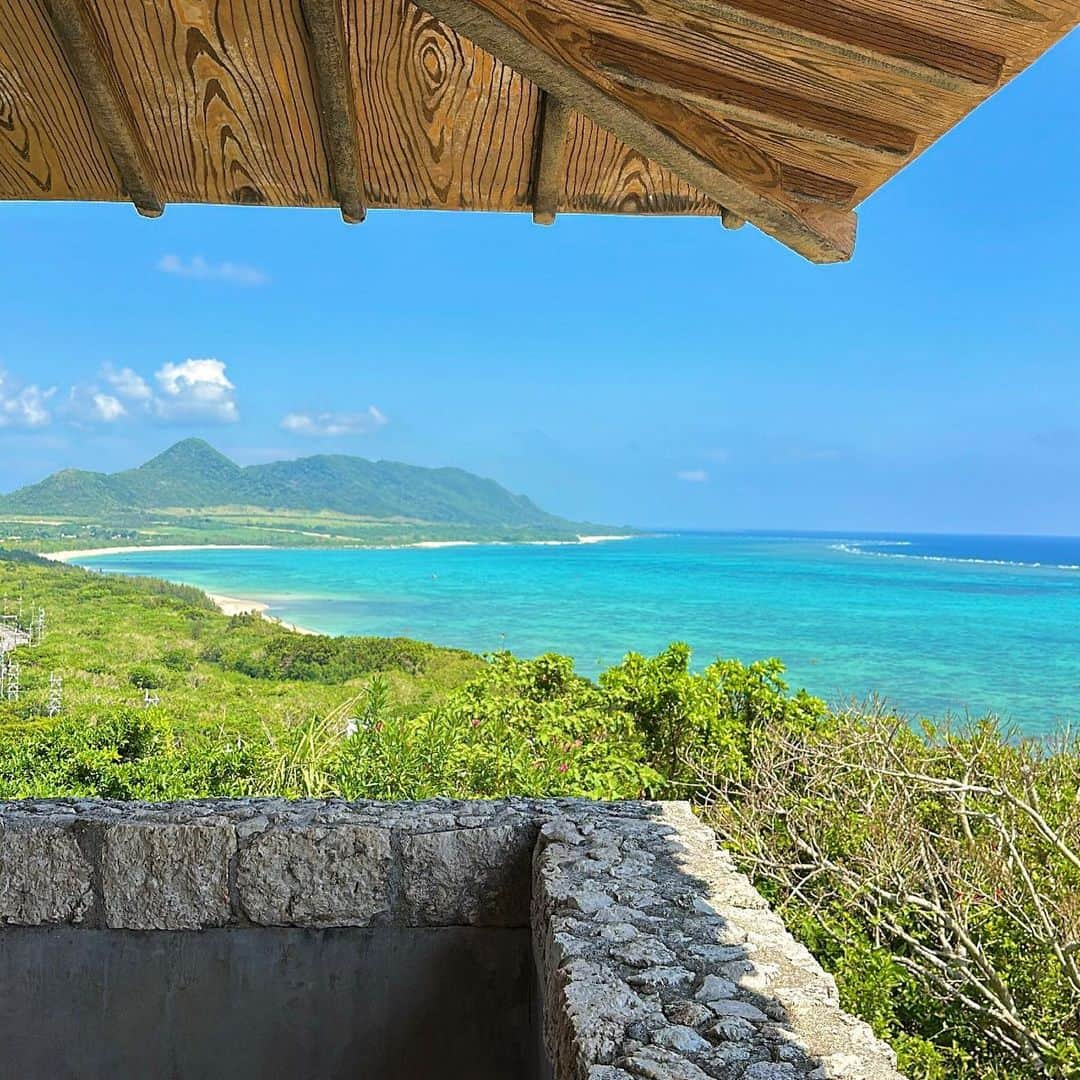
(193,476)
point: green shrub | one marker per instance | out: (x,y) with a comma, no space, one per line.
(146,677)
(685,716)
(120,754)
(187,595)
(935,873)
(526,727)
(179,660)
(277,654)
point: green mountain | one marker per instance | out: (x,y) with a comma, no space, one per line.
(192,475)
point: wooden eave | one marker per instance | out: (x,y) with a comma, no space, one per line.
(783,113)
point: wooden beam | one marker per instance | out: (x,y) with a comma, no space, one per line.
(687,144)
(85,53)
(729,95)
(874,41)
(549,184)
(730,220)
(337,105)
(877,33)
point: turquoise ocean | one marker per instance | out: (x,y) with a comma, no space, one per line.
(935,625)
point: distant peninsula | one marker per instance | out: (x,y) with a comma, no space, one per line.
(193,494)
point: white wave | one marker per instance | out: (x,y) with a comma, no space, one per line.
(880,543)
(860,549)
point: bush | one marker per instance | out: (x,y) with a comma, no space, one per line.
(936,874)
(522,727)
(179,660)
(683,715)
(158,588)
(280,654)
(145,677)
(120,754)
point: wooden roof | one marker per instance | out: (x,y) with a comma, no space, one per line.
(786,113)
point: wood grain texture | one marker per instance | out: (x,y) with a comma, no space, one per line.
(605,176)
(48,146)
(77,34)
(550,50)
(223,95)
(337,106)
(444,125)
(759,56)
(882,32)
(549,183)
(801,156)
(800,108)
(726,94)
(849,99)
(1019,30)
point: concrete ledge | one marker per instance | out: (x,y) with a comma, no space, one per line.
(655,958)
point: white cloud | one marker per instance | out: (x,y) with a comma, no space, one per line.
(128,384)
(195,390)
(198,391)
(24,406)
(199,269)
(693,476)
(329,424)
(107,408)
(90,404)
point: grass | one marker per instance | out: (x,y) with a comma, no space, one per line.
(112,638)
(245,525)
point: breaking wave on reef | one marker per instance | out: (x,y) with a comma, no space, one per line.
(872,547)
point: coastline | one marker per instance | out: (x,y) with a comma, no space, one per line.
(237,605)
(134,549)
(131,549)
(228,605)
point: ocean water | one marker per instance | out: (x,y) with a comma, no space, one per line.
(934,624)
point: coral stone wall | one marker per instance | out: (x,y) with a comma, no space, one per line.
(655,959)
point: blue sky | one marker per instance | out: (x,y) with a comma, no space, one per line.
(657,372)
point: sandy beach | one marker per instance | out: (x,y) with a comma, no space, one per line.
(509,543)
(236,605)
(229,605)
(131,549)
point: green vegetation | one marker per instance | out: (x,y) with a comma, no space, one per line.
(935,872)
(193,494)
(111,638)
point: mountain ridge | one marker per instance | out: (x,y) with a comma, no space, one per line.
(193,475)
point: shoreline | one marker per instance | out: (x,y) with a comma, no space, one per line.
(227,605)
(134,549)
(131,549)
(238,605)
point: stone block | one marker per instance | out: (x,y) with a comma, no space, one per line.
(468,877)
(44,877)
(166,876)
(318,877)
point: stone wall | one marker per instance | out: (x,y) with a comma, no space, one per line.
(655,959)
